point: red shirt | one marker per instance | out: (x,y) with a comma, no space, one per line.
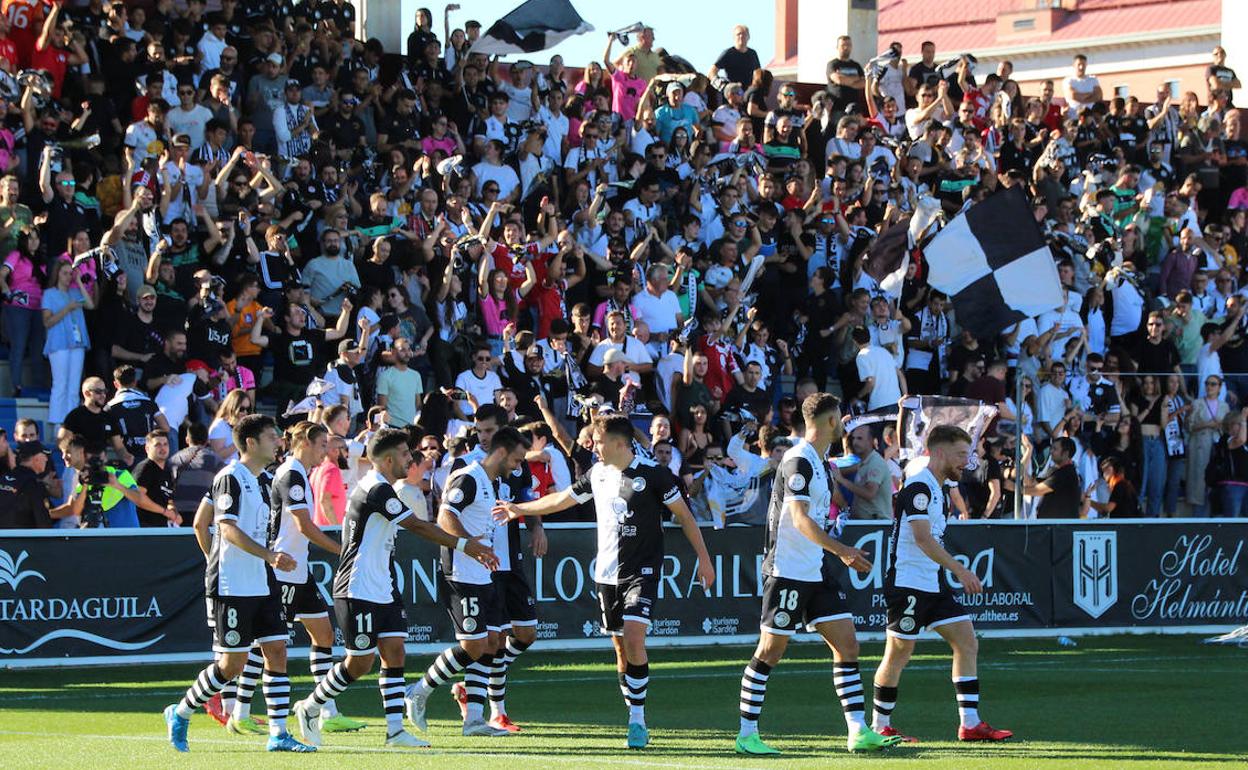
(721,364)
(25,24)
(8,50)
(55,61)
(512,267)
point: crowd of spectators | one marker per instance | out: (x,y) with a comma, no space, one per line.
(206,213)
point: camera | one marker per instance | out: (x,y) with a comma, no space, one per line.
(95,474)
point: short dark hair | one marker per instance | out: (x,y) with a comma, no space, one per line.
(507,439)
(197,433)
(490,412)
(817,404)
(385,441)
(250,427)
(152,435)
(614,425)
(1067,444)
(943,435)
(125,376)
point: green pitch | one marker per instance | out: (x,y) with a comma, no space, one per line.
(1126,701)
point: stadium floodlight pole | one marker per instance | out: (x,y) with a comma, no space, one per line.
(1018,444)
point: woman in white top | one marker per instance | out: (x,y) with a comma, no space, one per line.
(234,407)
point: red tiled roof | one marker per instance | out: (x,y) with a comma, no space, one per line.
(958,25)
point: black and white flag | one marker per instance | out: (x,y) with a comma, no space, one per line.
(994,264)
(534,26)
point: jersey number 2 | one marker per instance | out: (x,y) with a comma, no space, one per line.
(911,600)
(788,599)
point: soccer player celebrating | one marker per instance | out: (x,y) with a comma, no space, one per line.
(629,494)
(801,587)
(468,590)
(293,529)
(238,581)
(366,597)
(916,595)
(519,607)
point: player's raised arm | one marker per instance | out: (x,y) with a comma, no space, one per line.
(923,538)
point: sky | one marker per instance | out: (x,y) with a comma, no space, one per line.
(698,30)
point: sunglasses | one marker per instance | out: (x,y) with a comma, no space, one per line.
(67,183)
(484,360)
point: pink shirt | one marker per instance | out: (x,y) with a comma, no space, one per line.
(447,144)
(626,93)
(22,279)
(327,480)
(494,315)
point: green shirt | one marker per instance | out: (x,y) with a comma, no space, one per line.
(112,496)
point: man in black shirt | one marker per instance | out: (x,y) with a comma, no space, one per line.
(155,479)
(298,352)
(23,498)
(1158,354)
(1060,491)
(209,333)
(139,339)
(632,493)
(846,81)
(89,420)
(737,64)
(133,414)
(168,364)
(925,72)
(748,396)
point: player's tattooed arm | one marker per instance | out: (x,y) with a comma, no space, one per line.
(922,529)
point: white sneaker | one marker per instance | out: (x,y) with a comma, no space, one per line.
(481,727)
(308,714)
(416,699)
(404,739)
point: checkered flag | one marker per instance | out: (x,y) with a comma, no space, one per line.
(994,264)
(535,25)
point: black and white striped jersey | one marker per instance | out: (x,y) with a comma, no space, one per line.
(908,567)
(469,496)
(290,492)
(801,476)
(516,487)
(629,506)
(366,568)
(238,496)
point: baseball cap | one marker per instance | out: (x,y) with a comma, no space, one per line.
(292,83)
(613,356)
(28,449)
(673,87)
(182,140)
(275,57)
(348,346)
(535,351)
(146,290)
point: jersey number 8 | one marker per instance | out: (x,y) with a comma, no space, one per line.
(788,599)
(231,617)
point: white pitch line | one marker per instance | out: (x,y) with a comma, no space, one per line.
(1019,665)
(381,750)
